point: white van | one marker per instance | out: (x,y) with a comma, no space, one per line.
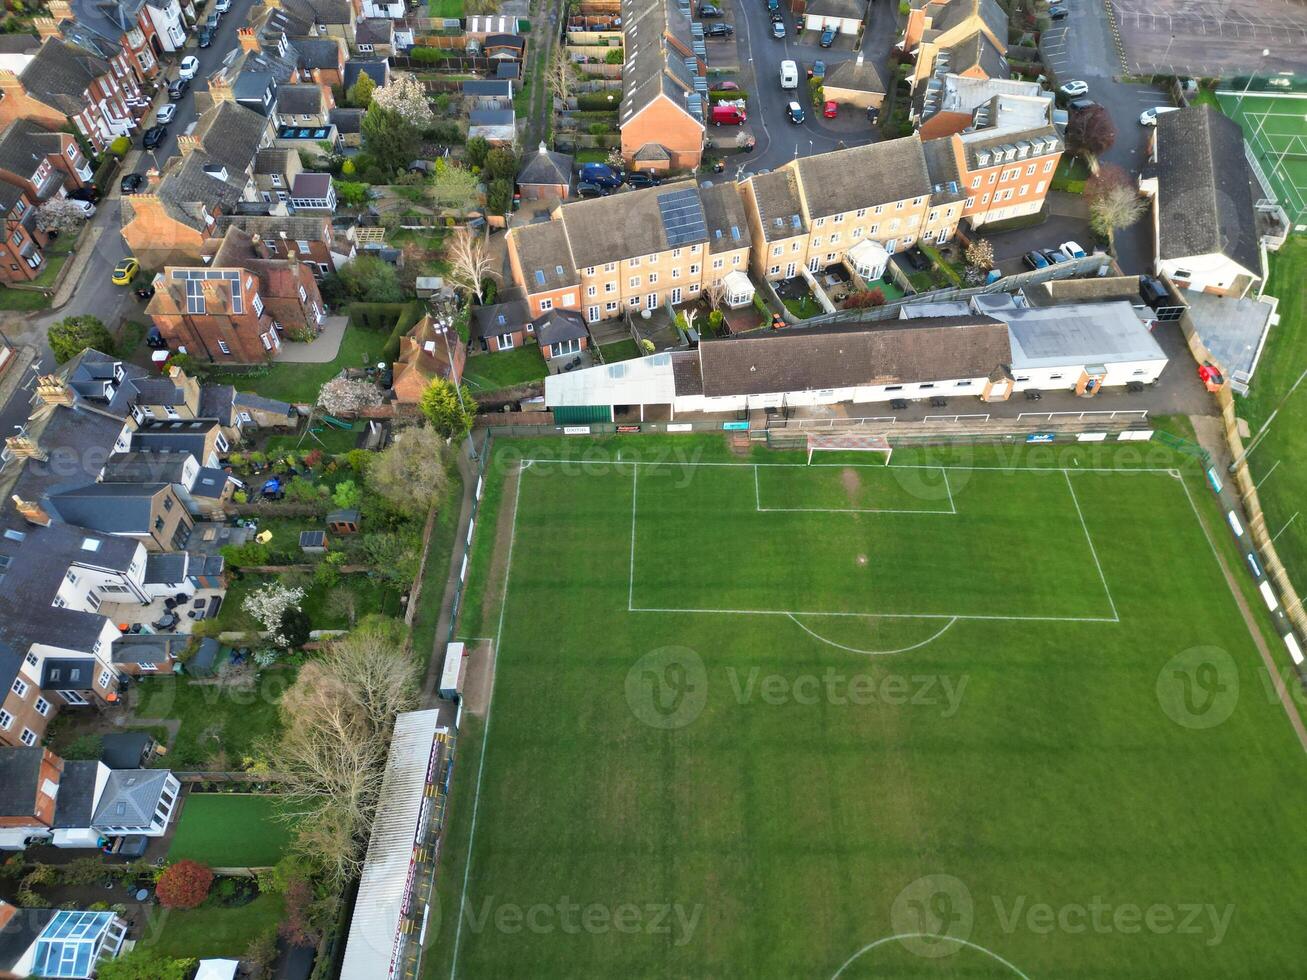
(789,74)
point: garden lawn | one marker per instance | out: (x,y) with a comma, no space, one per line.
(328,438)
(300,383)
(26,300)
(446,9)
(230,830)
(213,930)
(213,717)
(803,307)
(1279,462)
(623,350)
(505,369)
(779,697)
(436,573)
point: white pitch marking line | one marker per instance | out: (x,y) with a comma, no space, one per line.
(931,936)
(1092,550)
(875,653)
(630,577)
(875,615)
(953,508)
(485,733)
(869,466)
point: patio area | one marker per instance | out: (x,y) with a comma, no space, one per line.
(204,604)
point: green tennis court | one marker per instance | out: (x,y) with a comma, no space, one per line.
(1275,125)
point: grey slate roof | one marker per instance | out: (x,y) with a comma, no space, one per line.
(300,99)
(545,256)
(1205,198)
(864,176)
(165,568)
(209,485)
(25,144)
(379,70)
(855,77)
(346,120)
(76,795)
(779,208)
(375,30)
(125,750)
(318,52)
(488,88)
(977,51)
(216,402)
(604,229)
(231,134)
(252,402)
(76,673)
(500,318)
(60,73)
(19,771)
(113,508)
(176,436)
(724,217)
(547,168)
(145,467)
(147,648)
(557,326)
(884,352)
(492,117)
(129,798)
(653,68)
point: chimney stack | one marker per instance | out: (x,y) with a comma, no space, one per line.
(220,88)
(260,250)
(24,447)
(47,27)
(32,512)
(60,10)
(53,390)
(187,143)
(152,178)
(249,41)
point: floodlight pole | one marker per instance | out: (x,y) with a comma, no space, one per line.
(1247,85)
(1261,434)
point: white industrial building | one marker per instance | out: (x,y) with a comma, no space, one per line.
(989,349)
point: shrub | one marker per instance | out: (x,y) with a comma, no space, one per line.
(614,57)
(120,146)
(246,555)
(184,885)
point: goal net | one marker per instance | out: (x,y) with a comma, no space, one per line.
(843,442)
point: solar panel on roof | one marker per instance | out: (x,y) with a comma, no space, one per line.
(682,215)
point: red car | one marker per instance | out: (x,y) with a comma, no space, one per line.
(726,87)
(829,110)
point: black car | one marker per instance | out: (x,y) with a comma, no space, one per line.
(828,37)
(204,37)
(638,178)
(154,136)
(1080,105)
(131,183)
(1058,13)
(777,17)
(177,88)
(795,112)
(587,189)
(707,10)
(87,193)
(718,30)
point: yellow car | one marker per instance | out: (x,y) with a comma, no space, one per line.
(125,271)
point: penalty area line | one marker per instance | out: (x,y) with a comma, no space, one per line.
(875,653)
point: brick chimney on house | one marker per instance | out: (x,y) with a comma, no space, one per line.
(25,447)
(188,385)
(47,27)
(258,248)
(186,143)
(220,88)
(10,84)
(32,512)
(249,41)
(60,10)
(152,178)
(53,390)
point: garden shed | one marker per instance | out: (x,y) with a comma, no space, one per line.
(343,521)
(313,542)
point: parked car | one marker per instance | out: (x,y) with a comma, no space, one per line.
(725,87)
(1035,259)
(155,340)
(777,17)
(1072,250)
(778,30)
(131,183)
(204,37)
(1080,105)
(719,30)
(917,259)
(88,209)
(587,189)
(830,109)
(166,113)
(211,22)
(707,11)
(1074,89)
(601,174)
(1058,13)
(773,6)
(641,178)
(87,193)
(1053,256)
(827,37)
(818,70)
(189,67)
(177,88)
(789,74)
(795,112)
(728,115)
(1149,116)
(154,136)
(125,271)
(222,6)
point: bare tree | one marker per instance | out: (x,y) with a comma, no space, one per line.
(715,293)
(337,718)
(980,254)
(562,75)
(1114,201)
(470,261)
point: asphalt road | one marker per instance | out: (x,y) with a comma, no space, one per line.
(760,56)
(94,292)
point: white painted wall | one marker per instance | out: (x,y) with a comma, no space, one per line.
(1213,271)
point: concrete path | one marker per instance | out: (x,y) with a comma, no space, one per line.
(321,350)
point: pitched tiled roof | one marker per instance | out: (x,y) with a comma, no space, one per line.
(724,217)
(300,99)
(546,259)
(60,73)
(621,226)
(864,176)
(1205,197)
(887,352)
(24,144)
(500,318)
(546,167)
(557,326)
(232,134)
(855,77)
(777,198)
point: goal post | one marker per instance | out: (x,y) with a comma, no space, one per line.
(847,442)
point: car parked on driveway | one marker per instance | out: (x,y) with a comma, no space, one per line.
(641,178)
(1035,259)
(88,209)
(87,193)
(1080,105)
(222,6)
(601,174)
(707,11)
(1074,89)
(724,87)
(587,189)
(204,37)
(1072,250)
(830,109)
(728,115)
(131,183)
(1053,256)
(1149,116)
(828,37)
(125,271)
(818,70)
(719,30)
(795,112)
(154,136)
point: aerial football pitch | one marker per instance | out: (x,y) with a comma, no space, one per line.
(983,712)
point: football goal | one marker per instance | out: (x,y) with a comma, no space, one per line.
(846,442)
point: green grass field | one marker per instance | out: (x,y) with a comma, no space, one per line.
(989,712)
(1279,461)
(230,830)
(1276,128)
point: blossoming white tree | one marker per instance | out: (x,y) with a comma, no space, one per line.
(405,96)
(348,396)
(268,606)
